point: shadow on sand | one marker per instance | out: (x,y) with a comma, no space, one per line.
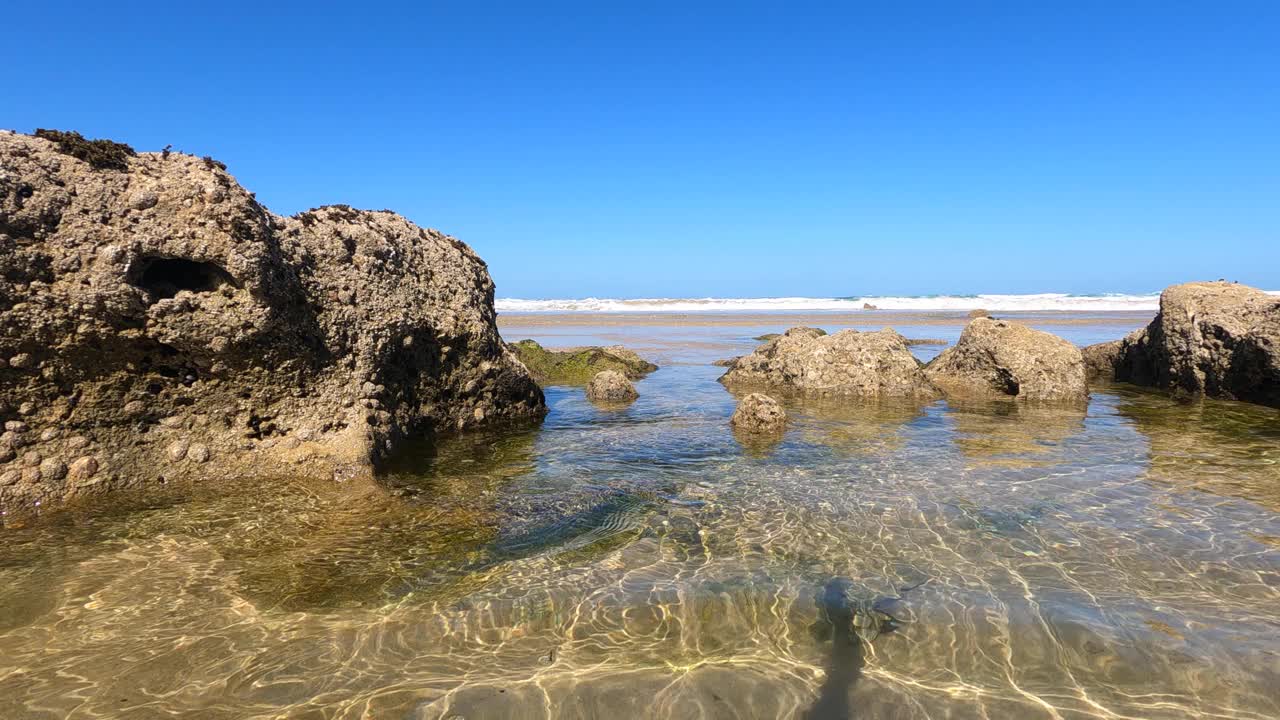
(835,621)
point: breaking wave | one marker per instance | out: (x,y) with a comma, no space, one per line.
(1040,302)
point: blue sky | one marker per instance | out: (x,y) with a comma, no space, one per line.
(729,149)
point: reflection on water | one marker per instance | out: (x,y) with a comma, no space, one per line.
(1014,433)
(640,562)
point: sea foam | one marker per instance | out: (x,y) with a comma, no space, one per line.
(1040,302)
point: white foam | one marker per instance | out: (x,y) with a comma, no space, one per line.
(1039,302)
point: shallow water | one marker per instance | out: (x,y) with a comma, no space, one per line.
(1119,561)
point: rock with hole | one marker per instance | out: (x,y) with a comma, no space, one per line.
(148,299)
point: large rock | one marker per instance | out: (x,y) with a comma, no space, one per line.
(576,366)
(157,323)
(849,363)
(1212,338)
(611,386)
(997,358)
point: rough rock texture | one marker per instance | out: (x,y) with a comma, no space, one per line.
(759,413)
(577,366)
(1007,359)
(911,342)
(850,363)
(1212,338)
(1100,359)
(157,323)
(978,313)
(611,386)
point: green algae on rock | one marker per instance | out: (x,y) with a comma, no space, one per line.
(576,366)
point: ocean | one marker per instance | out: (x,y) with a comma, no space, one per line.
(886,560)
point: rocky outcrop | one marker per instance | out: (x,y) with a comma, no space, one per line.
(577,366)
(611,386)
(849,363)
(978,313)
(997,358)
(759,413)
(912,342)
(1213,338)
(1100,359)
(158,324)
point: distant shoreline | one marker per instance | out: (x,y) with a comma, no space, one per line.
(856,319)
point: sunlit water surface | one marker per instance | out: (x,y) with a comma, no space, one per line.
(1119,562)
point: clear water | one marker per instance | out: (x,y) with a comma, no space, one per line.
(1119,562)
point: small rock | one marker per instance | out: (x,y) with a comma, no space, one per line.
(21,361)
(978,313)
(83,468)
(50,434)
(9,477)
(78,442)
(7,452)
(198,453)
(31,475)
(869,306)
(31,458)
(16,426)
(759,413)
(26,408)
(177,450)
(53,469)
(134,408)
(611,386)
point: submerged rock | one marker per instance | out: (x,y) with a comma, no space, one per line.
(759,413)
(1007,359)
(611,386)
(149,304)
(849,363)
(1217,339)
(577,366)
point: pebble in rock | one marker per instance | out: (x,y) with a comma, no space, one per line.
(83,468)
(53,469)
(198,453)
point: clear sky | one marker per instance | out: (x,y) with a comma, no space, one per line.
(731,149)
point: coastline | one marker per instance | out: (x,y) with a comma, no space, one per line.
(863,318)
